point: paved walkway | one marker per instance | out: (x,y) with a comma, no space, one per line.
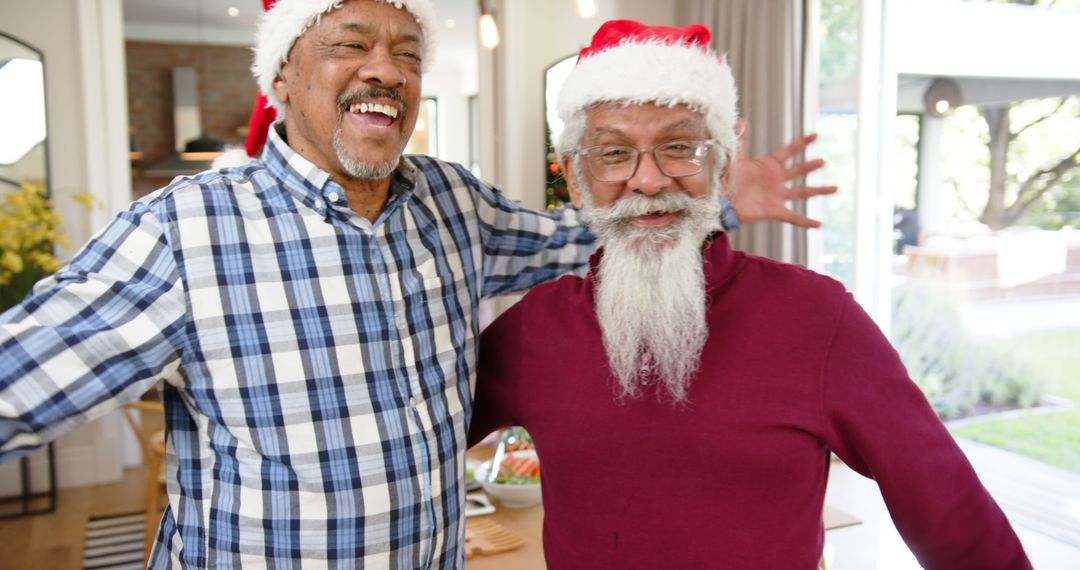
(1033,495)
(1042,502)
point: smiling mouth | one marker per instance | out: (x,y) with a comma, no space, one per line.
(375,114)
(654,218)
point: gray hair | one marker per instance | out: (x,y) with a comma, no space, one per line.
(573,132)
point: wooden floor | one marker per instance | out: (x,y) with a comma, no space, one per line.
(54,541)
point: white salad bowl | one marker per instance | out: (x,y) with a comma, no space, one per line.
(514,496)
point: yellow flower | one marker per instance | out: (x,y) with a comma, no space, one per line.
(85,198)
(29,233)
(11,262)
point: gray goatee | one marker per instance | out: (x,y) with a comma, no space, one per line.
(357,167)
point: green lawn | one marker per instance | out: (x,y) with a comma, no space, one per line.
(1050,438)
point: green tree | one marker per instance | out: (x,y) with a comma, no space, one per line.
(839,33)
(1028,181)
(1022,185)
(1019,184)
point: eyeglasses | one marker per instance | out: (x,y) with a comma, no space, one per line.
(618,163)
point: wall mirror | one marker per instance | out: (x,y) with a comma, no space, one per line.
(555,75)
(23,150)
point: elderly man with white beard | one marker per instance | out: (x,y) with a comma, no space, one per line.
(684,398)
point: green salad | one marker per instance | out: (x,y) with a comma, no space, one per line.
(519,469)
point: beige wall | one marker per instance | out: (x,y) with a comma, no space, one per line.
(451,86)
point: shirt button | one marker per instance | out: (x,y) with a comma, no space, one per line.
(333,197)
(318,204)
(412,402)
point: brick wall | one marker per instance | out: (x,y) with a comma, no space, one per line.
(226,93)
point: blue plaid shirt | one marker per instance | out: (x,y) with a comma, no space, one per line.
(317,367)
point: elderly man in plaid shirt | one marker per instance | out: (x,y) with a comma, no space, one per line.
(312,315)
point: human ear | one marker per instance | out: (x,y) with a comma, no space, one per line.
(572,182)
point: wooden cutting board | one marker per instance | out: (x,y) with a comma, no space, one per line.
(484,536)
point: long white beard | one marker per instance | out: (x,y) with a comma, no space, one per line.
(650,299)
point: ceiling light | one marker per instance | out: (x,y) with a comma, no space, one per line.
(489,32)
(234,11)
(586,8)
(451,23)
(942,96)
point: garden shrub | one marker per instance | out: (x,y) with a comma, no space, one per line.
(960,373)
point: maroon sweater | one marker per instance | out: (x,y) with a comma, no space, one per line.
(792,368)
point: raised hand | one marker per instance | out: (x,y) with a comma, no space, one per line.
(760,190)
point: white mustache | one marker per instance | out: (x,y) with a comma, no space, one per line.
(634,206)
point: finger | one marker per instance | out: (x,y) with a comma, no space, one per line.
(795,147)
(804,192)
(742,131)
(800,221)
(801,169)
(742,128)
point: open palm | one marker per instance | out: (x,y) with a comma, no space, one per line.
(760,184)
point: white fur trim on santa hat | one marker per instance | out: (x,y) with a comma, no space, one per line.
(660,73)
(287,20)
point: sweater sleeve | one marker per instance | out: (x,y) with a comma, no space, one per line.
(881,425)
(497,372)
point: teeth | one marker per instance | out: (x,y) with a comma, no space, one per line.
(386,110)
(374,108)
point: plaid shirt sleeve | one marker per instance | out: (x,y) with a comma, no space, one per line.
(99,332)
(523,247)
(729,218)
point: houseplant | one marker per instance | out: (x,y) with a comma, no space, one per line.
(29,234)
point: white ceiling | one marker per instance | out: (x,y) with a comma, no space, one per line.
(213,12)
(208,21)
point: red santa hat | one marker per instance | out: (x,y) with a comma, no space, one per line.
(281,24)
(629,62)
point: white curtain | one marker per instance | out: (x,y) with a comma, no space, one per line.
(764,43)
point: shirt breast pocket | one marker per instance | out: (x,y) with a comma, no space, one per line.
(435,298)
(429,298)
